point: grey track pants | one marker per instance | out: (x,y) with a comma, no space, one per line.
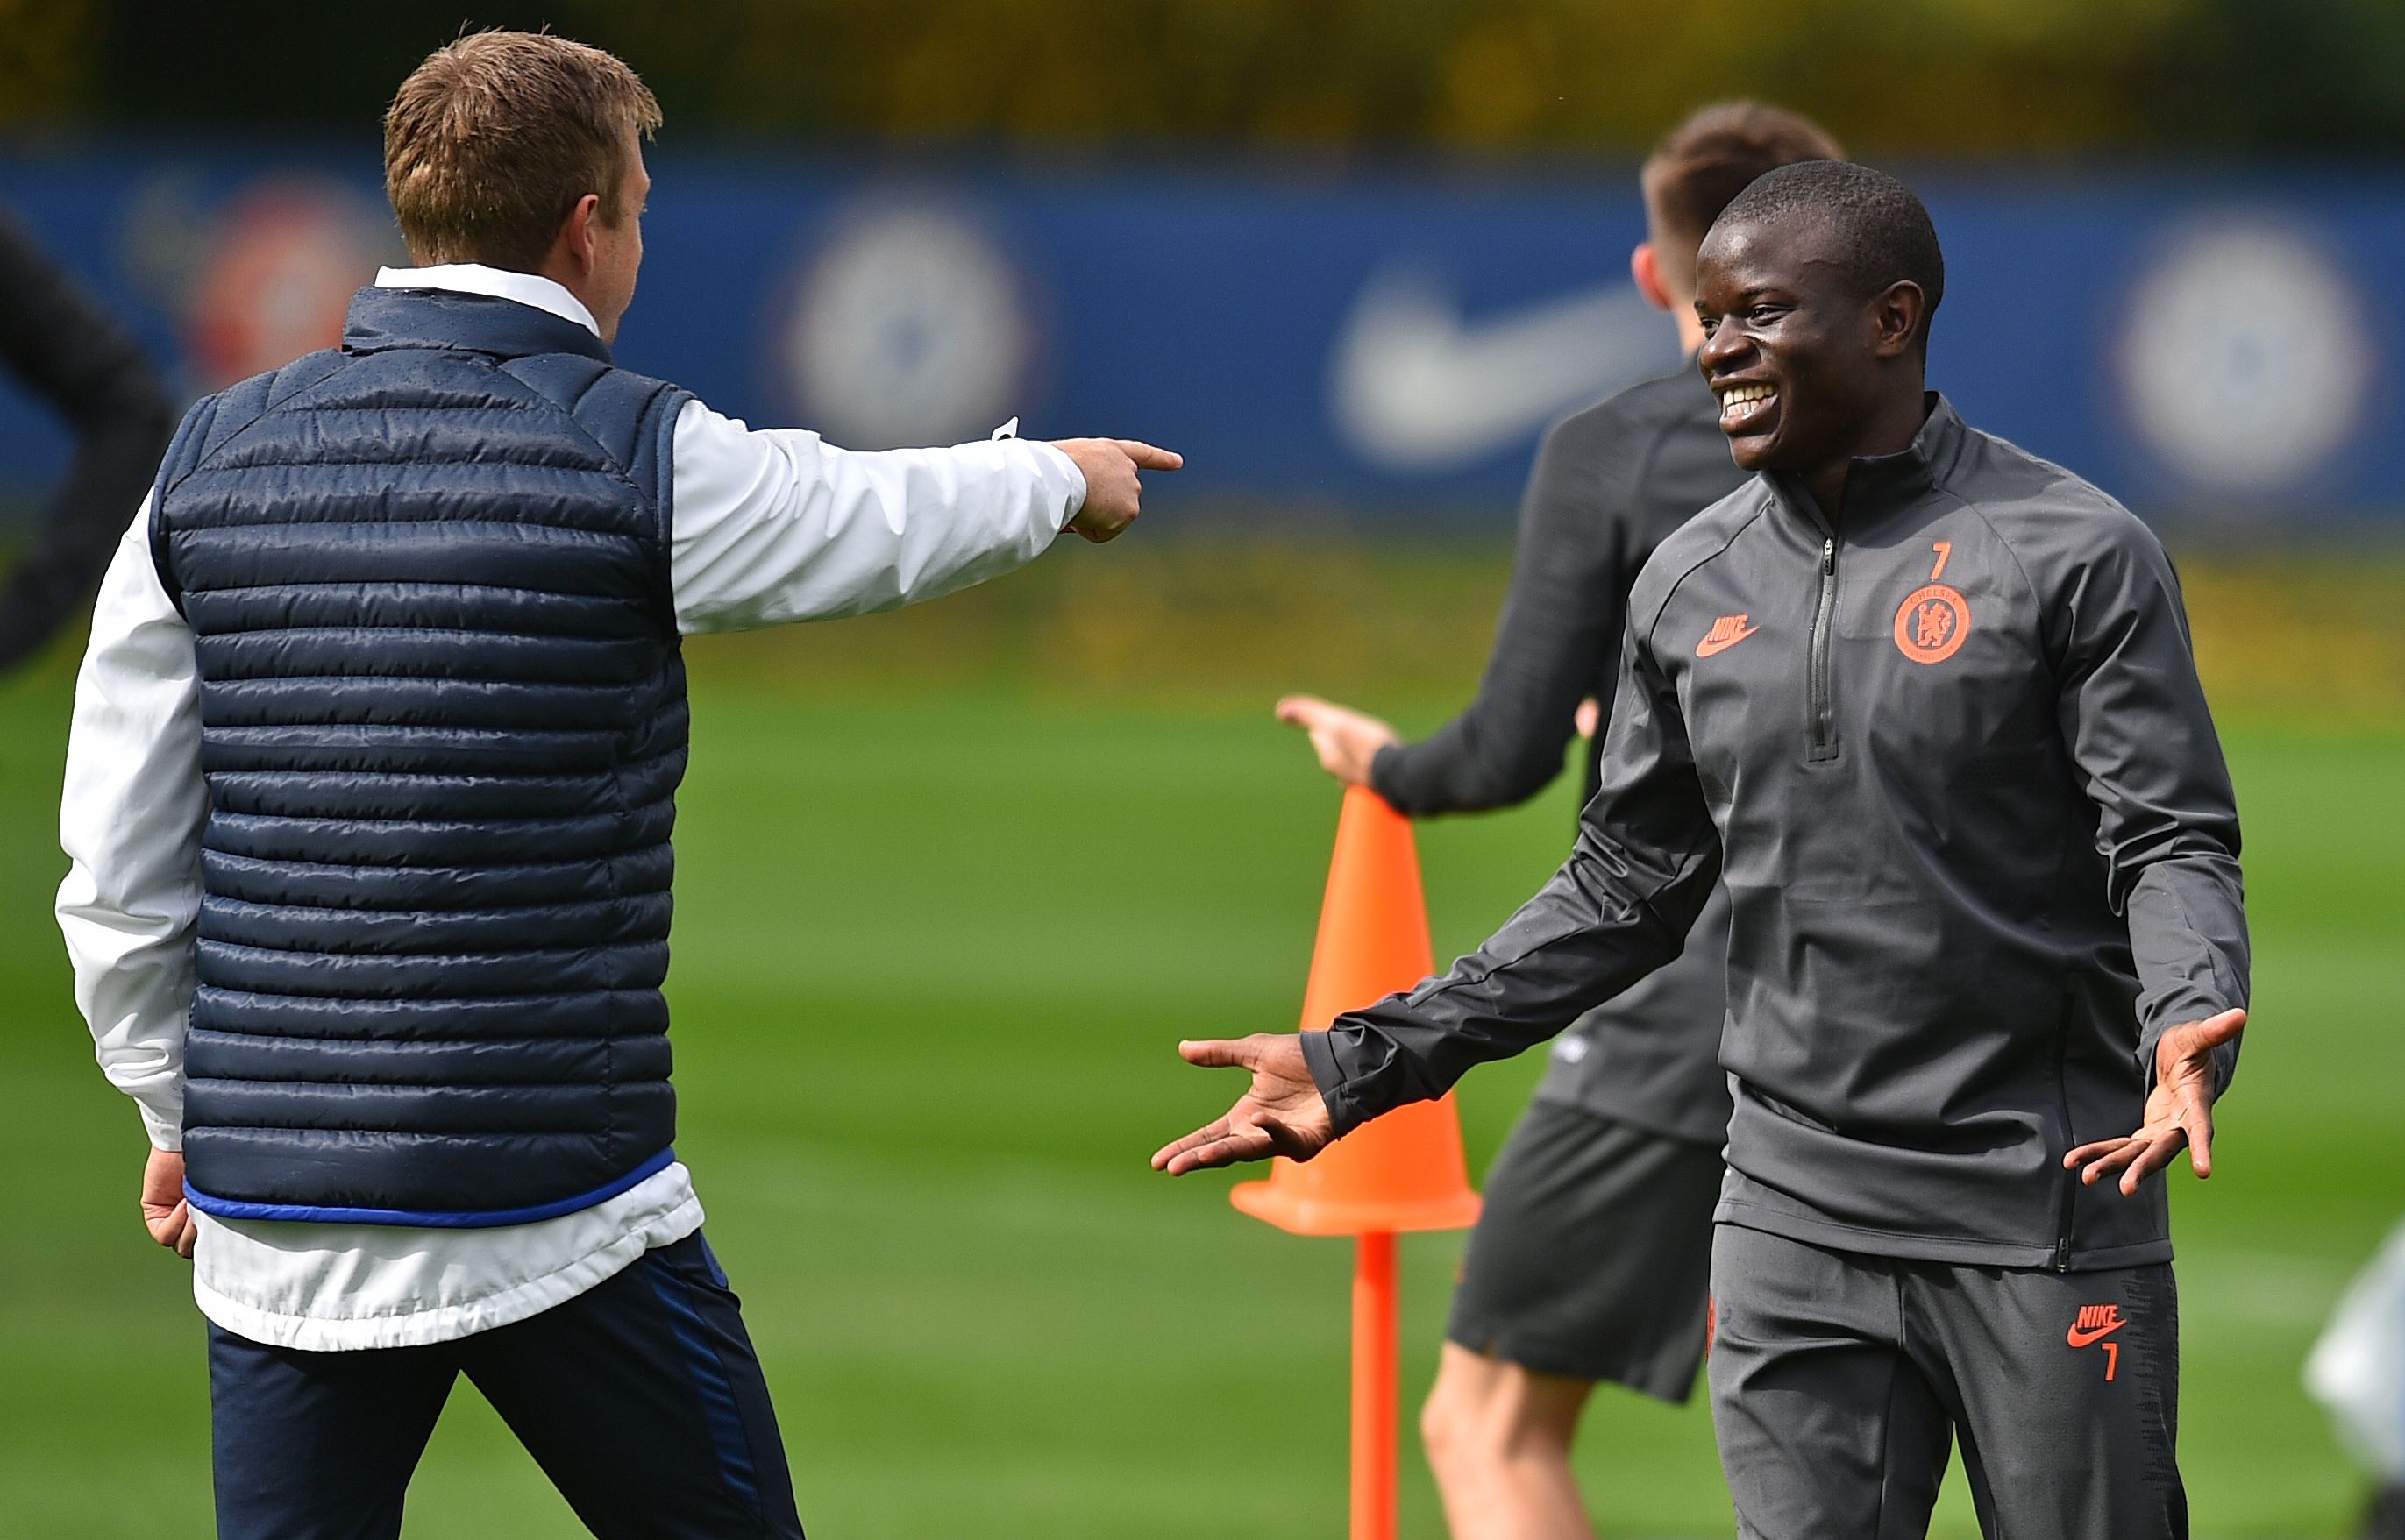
(1838,1381)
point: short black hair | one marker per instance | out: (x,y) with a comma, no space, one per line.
(1884,232)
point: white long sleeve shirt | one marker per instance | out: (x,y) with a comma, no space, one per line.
(770,526)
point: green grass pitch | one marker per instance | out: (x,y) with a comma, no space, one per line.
(931,958)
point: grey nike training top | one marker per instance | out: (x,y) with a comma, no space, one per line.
(1612,482)
(1980,846)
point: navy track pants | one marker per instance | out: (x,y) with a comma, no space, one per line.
(640,1398)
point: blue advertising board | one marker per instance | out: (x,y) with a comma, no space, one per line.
(2206,346)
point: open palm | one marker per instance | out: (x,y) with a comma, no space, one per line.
(1281,1114)
(2179,1110)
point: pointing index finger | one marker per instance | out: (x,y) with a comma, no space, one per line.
(1148,456)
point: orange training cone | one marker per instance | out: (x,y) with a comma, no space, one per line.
(1403,1171)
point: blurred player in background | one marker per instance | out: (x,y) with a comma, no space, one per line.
(59,342)
(1931,704)
(1591,1258)
(369,799)
(2356,1371)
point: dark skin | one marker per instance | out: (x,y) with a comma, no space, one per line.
(1812,373)
(1783,312)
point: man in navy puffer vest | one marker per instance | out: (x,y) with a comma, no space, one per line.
(369,800)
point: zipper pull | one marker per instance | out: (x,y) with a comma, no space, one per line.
(1828,557)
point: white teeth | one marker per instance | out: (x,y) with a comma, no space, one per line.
(1744,395)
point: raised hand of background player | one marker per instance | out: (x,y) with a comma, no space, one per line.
(1281,1114)
(1113,485)
(1345,740)
(163,1210)
(2179,1112)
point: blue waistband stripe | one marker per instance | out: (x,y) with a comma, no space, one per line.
(301,1213)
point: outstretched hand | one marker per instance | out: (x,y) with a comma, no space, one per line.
(2179,1111)
(1113,485)
(1281,1114)
(1346,741)
(163,1210)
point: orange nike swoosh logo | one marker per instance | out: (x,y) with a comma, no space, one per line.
(1712,645)
(2078,1338)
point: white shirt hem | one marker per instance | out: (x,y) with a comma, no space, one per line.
(417,1325)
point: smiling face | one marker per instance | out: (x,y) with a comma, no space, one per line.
(1810,370)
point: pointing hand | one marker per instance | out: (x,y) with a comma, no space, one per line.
(2179,1112)
(1281,1114)
(1114,488)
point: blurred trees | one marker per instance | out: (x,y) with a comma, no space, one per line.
(1916,77)
(47,53)
(1470,74)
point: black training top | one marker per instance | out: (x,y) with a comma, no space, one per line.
(59,342)
(1612,482)
(1979,843)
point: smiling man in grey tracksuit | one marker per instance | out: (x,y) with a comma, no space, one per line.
(1591,1261)
(1928,704)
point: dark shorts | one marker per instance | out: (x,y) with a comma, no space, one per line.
(640,1398)
(1839,1381)
(1593,1256)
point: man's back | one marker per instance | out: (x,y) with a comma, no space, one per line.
(368,799)
(443,723)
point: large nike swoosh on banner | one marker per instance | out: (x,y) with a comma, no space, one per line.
(1414,389)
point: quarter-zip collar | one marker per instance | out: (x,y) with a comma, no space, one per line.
(1876,484)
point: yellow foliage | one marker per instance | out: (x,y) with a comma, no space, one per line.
(45,51)
(1924,77)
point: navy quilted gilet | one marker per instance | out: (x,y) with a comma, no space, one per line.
(442,725)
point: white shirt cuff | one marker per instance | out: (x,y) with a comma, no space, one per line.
(166,1131)
(1057,461)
